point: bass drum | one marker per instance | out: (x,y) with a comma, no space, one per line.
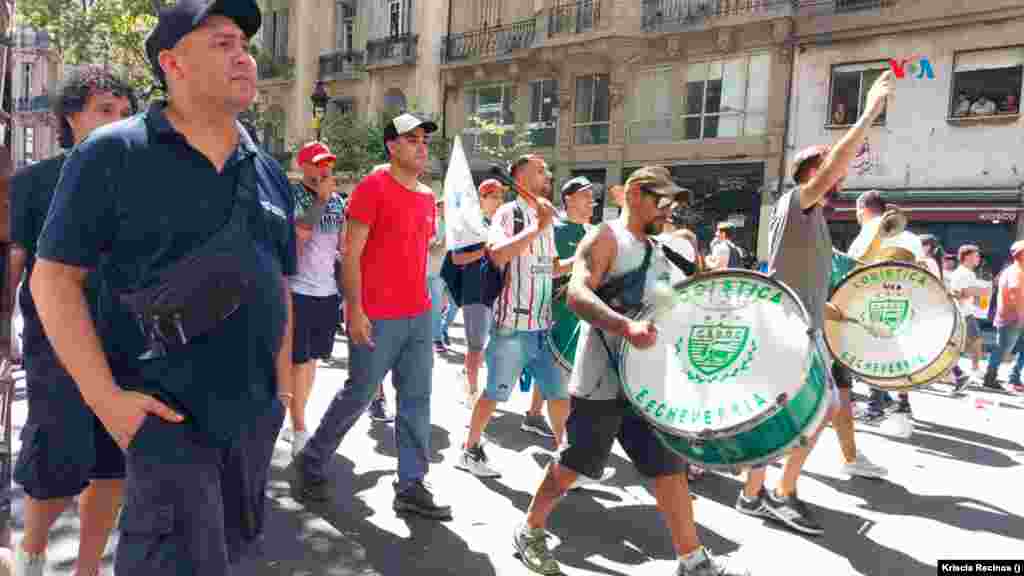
(564,334)
(908,330)
(736,378)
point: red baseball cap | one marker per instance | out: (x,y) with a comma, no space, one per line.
(490,184)
(314,153)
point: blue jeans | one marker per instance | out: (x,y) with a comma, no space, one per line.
(1006,340)
(402,347)
(439,321)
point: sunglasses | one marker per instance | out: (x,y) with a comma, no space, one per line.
(661,202)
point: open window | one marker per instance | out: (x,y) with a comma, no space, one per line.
(849,92)
(986,83)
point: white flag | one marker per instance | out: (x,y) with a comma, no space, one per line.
(464,222)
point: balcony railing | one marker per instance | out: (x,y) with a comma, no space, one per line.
(657,13)
(32,103)
(490,42)
(574,18)
(30,39)
(338,65)
(392,50)
(853,5)
(278,67)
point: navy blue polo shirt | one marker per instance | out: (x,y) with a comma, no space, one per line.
(135,197)
(31,191)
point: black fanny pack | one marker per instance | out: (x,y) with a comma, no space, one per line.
(205,287)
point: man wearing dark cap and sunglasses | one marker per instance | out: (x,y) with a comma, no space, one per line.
(613,276)
(200,256)
(801,257)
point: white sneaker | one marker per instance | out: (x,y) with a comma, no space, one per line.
(474,461)
(899,425)
(27,565)
(299,439)
(287,434)
(583,480)
(864,467)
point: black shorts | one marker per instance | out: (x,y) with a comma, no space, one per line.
(592,427)
(842,376)
(63,444)
(316,324)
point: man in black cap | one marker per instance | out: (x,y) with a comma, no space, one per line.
(199,256)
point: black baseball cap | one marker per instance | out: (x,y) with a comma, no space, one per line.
(177,21)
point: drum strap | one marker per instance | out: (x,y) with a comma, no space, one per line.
(624,294)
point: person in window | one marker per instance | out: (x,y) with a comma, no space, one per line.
(1009,104)
(839,114)
(983,105)
(963,104)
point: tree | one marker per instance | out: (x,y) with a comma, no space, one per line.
(358,144)
(498,143)
(109,32)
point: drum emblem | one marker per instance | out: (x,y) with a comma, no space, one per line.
(715,350)
(892,312)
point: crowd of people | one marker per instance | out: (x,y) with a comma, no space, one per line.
(171,331)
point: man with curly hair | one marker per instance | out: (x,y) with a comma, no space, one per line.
(65,452)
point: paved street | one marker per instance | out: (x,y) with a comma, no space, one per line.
(953,492)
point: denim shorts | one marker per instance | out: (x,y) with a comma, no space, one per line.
(477,318)
(509,352)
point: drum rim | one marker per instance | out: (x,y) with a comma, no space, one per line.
(909,377)
(745,426)
(816,421)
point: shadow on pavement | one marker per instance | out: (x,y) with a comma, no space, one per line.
(384,435)
(975,447)
(844,533)
(296,542)
(956,511)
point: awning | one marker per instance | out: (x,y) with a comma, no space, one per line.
(992,205)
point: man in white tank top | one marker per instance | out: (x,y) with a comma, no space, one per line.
(599,415)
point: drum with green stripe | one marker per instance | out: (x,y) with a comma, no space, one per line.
(736,377)
(564,334)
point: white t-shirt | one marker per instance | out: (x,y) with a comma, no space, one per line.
(720,253)
(525,302)
(962,278)
(906,239)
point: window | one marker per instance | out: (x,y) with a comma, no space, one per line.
(273,132)
(651,107)
(275,34)
(844,5)
(493,104)
(395,27)
(850,86)
(727,98)
(343,105)
(345,14)
(543,112)
(26,81)
(987,83)
(592,124)
(29,144)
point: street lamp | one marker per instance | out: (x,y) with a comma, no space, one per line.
(319,98)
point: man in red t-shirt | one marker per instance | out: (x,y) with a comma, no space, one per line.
(391,218)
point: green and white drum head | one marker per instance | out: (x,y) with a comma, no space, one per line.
(907,330)
(735,377)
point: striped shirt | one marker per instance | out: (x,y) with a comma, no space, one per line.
(525,302)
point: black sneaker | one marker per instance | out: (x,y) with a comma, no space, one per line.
(310,489)
(961,382)
(379,411)
(440,348)
(753,507)
(418,499)
(793,512)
